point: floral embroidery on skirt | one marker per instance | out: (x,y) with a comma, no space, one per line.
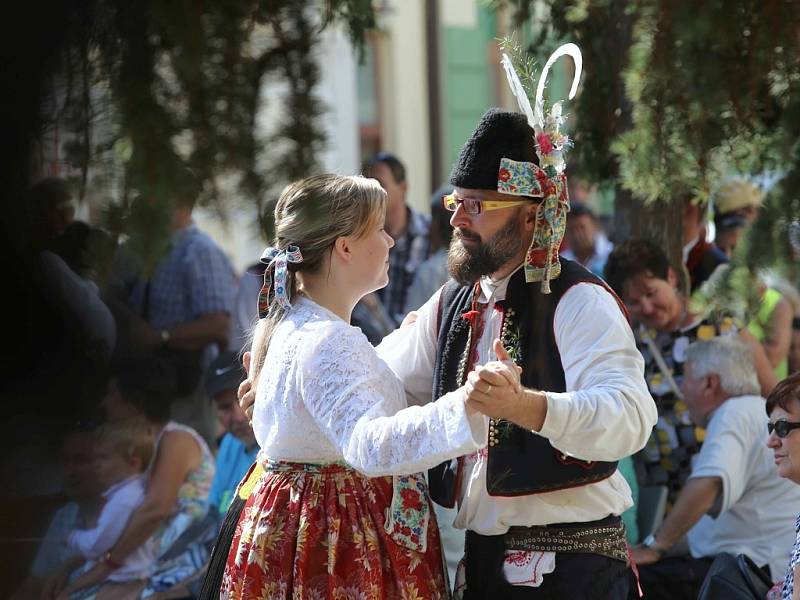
(318,531)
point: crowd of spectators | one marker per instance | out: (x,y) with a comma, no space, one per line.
(151,467)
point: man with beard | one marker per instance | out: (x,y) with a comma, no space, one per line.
(541,502)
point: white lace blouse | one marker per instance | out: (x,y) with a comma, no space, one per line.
(325,395)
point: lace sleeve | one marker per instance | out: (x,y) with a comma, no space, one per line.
(360,406)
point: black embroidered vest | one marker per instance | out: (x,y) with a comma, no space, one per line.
(519,462)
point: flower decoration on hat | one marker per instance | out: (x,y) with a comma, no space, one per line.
(547,179)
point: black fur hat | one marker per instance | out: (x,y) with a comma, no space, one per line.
(500,134)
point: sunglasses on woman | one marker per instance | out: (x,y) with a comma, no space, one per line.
(782,428)
(474,206)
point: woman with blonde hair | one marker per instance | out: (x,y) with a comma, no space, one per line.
(338,511)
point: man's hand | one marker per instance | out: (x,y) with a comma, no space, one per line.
(246,393)
(495,390)
(642,555)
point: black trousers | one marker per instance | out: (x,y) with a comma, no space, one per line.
(674,578)
(577,576)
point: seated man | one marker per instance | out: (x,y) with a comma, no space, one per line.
(76,459)
(733,501)
(238,447)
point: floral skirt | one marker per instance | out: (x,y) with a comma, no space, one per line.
(317,531)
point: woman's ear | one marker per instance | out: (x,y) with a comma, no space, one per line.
(672,278)
(342,249)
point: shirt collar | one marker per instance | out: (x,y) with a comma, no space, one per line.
(187,231)
(121,484)
(495,289)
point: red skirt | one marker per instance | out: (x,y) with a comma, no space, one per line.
(317,531)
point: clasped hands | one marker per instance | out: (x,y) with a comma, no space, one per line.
(493,389)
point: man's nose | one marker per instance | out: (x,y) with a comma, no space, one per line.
(460,216)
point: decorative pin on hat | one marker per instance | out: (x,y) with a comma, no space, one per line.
(547,179)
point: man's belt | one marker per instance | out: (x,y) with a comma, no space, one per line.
(605,537)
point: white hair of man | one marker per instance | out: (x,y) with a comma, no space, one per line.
(730,359)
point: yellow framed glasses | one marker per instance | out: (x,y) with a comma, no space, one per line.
(473,206)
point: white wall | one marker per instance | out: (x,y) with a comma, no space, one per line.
(405,95)
(337,90)
(239,236)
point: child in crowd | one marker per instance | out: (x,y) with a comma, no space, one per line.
(123,452)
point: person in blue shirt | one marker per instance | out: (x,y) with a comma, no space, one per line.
(238,447)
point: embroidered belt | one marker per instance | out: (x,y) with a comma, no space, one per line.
(283,466)
(605,537)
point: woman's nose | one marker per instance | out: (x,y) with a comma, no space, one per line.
(773,441)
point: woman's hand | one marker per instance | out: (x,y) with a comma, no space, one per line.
(54,585)
(410,318)
(57,582)
(246,393)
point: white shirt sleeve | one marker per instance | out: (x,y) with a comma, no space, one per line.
(726,452)
(410,352)
(81,297)
(607,412)
(93,543)
(355,400)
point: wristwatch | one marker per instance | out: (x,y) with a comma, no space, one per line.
(651,543)
(165,337)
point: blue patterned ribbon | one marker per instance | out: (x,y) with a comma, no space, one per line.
(520,178)
(279,258)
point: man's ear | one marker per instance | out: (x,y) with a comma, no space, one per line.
(342,249)
(529,214)
(713,384)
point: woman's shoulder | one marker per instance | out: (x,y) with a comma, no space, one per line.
(318,323)
(176,434)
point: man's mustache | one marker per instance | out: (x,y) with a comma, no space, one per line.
(461,234)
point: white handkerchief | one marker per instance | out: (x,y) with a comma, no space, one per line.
(528,568)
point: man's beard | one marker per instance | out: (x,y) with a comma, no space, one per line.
(466,266)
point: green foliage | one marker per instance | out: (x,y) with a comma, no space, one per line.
(159,90)
(678,95)
(524,64)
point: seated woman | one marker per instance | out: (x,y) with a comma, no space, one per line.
(783,408)
(641,274)
(178,482)
(335,512)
